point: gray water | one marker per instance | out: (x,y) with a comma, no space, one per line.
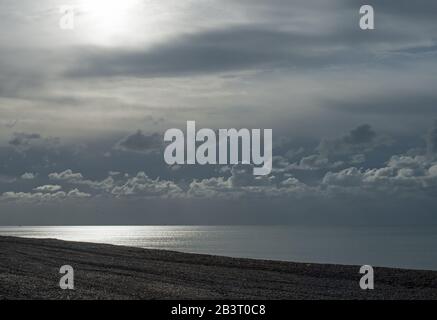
(403,247)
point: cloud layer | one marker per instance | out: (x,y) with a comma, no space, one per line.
(353,112)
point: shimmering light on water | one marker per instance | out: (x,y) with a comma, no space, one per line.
(394,247)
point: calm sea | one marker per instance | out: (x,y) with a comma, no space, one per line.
(403,247)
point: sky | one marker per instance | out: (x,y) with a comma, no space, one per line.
(83,112)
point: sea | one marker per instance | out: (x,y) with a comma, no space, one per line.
(399,247)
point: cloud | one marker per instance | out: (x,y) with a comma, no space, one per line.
(34,143)
(431,140)
(314,162)
(140,142)
(48,188)
(28,176)
(280,35)
(23,139)
(234,48)
(313,176)
(243,184)
(10,124)
(242,175)
(78,179)
(217,187)
(67,175)
(7,179)
(222,188)
(75,193)
(42,197)
(360,135)
(105,185)
(345,178)
(302,68)
(409,100)
(142,185)
(402,175)
(204,52)
(358,159)
(333,153)
(359,140)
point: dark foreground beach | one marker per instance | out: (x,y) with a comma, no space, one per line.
(29,269)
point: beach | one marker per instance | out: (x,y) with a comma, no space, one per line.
(29,269)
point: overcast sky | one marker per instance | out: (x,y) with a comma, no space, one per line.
(83,111)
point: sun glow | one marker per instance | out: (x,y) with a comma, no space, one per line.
(109,19)
(130,22)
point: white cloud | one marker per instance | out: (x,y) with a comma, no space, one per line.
(242,183)
(28,176)
(77,178)
(45,196)
(28,196)
(75,193)
(402,174)
(142,185)
(48,188)
(67,175)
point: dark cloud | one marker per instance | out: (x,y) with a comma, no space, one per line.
(211,51)
(230,49)
(242,175)
(256,45)
(402,177)
(410,102)
(140,142)
(361,134)
(431,140)
(23,139)
(360,140)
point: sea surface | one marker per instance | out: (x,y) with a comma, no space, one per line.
(402,247)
